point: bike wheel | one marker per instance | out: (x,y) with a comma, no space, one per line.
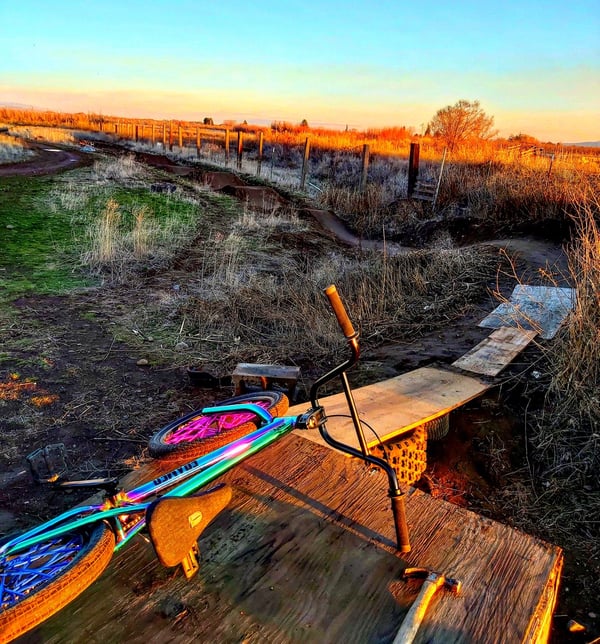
(38,582)
(197,434)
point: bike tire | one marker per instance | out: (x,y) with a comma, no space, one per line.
(73,560)
(197,434)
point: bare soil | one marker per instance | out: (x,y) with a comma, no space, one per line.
(67,379)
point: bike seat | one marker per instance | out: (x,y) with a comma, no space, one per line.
(175,523)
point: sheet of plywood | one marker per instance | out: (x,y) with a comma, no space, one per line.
(496,351)
(395,406)
(306,553)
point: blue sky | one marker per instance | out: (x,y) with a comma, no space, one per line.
(534,66)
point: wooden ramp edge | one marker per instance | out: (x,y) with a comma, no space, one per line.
(395,406)
(496,351)
(306,553)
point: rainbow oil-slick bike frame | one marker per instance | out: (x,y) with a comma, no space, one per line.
(33,563)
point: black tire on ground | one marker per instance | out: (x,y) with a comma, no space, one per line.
(41,602)
(193,445)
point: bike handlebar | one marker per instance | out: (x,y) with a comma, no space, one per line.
(340,312)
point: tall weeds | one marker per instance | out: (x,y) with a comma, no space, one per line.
(576,357)
(106,244)
(565,440)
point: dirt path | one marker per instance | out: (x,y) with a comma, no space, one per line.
(48,159)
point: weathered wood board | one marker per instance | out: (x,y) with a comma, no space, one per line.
(397,405)
(305,553)
(496,351)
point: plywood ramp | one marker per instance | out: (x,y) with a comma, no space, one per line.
(495,352)
(305,553)
(395,406)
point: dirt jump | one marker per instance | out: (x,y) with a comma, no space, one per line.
(106,398)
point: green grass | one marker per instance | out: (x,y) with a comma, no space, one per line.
(37,251)
(43,238)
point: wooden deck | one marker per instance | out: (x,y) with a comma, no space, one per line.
(305,553)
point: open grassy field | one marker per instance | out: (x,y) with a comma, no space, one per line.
(117,275)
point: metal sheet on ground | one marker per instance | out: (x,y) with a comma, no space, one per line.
(539,308)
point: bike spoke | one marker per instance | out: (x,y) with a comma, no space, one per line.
(25,571)
(207,426)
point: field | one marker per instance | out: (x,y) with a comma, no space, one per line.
(119,273)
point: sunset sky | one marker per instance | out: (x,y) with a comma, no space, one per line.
(534,65)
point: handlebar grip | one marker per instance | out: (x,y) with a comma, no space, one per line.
(340,312)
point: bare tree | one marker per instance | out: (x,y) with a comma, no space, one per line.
(465,121)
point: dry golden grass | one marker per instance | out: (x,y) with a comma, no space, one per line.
(12,149)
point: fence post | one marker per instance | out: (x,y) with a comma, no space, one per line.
(413,168)
(171,135)
(261,139)
(227,147)
(164,135)
(137,132)
(180,136)
(365,168)
(551,162)
(305,163)
(240,149)
(153,134)
(198,141)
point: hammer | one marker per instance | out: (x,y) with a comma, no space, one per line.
(414,617)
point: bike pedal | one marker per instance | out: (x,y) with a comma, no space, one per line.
(47,464)
(190,564)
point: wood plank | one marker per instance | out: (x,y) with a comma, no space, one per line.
(305,553)
(395,406)
(496,351)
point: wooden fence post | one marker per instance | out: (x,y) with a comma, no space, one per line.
(137,132)
(305,163)
(240,149)
(180,136)
(164,135)
(226,147)
(171,135)
(198,141)
(153,134)
(261,138)
(365,168)
(413,168)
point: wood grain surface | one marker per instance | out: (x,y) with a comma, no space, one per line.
(306,553)
(496,351)
(395,406)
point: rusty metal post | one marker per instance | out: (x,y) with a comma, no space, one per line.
(365,168)
(305,163)
(240,148)
(261,139)
(227,147)
(413,168)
